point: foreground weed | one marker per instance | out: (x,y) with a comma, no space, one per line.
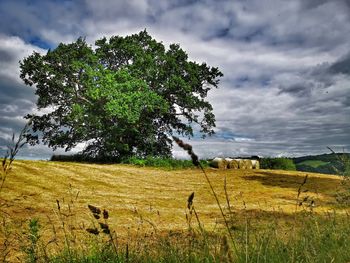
(343,195)
(344,160)
(67,218)
(6,233)
(192,233)
(32,238)
(102,220)
(7,239)
(12,151)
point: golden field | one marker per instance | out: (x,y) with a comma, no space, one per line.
(156,198)
(146,204)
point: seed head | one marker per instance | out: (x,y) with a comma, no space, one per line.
(105,214)
(93,231)
(96,216)
(188,148)
(190,200)
(58,205)
(195,159)
(104,226)
(94,209)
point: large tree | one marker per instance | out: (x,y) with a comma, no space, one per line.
(125,96)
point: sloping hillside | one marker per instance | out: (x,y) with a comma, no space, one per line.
(324,163)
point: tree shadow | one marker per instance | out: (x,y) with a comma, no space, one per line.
(323,185)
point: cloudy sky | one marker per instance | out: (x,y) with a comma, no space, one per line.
(286,89)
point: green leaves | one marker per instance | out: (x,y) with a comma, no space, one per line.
(125,97)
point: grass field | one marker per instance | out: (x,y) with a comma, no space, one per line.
(313,163)
(154,201)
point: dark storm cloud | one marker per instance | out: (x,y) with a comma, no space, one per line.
(297,90)
(312,24)
(309,4)
(16,100)
(341,66)
(6,57)
(33,20)
(12,91)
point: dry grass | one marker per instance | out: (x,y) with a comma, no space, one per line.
(150,201)
(160,197)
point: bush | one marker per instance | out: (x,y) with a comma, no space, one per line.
(82,158)
(168,163)
(278,164)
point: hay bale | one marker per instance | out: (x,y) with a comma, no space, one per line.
(233,164)
(249,164)
(245,164)
(228,160)
(256,164)
(219,163)
(241,164)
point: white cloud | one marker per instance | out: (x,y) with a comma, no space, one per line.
(15,49)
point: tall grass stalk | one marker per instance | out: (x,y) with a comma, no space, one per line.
(12,151)
(196,162)
(343,197)
(6,232)
(63,223)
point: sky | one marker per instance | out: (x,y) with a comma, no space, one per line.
(286,65)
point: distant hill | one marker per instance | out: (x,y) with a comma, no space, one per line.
(324,163)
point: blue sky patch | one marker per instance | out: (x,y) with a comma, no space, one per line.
(36,41)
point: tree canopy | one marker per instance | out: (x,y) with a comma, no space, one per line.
(124,97)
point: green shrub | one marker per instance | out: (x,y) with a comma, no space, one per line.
(82,158)
(152,161)
(167,163)
(32,239)
(278,164)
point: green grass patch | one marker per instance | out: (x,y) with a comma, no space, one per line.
(167,163)
(280,163)
(309,239)
(313,163)
(149,161)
